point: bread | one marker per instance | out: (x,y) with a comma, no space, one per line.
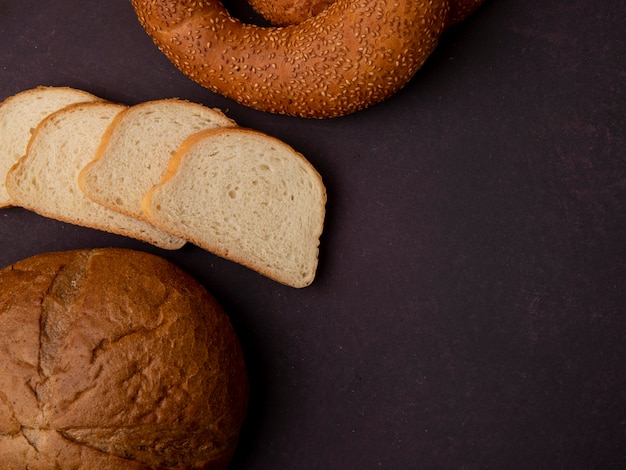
(115,359)
(45,180)
(137,148)
(20,114)
(286,12)
(247,197)
(352,55)
(250,198)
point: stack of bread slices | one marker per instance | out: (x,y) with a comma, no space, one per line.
(165,172)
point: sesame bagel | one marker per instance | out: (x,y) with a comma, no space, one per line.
(286,12)
(353,54)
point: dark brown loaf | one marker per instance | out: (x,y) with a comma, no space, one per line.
(115,359)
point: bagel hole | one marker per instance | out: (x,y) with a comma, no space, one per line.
(242,10)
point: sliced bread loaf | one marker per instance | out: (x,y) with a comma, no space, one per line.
(137,148)
(20,114)
(45,179)
(247,197)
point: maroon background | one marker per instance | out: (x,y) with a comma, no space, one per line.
(469,305)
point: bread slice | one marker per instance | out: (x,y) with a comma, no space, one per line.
(20,114)
(247,197)
(45,179)
(138,147)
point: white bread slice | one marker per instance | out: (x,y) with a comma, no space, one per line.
(247,197)
(20,114)
(137,148)
(45,179)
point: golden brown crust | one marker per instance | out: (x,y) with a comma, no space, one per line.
(353,54)
(287,12)
(114,358)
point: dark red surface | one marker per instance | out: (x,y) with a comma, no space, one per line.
(469,307)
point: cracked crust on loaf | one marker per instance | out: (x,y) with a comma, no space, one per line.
(112,358)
